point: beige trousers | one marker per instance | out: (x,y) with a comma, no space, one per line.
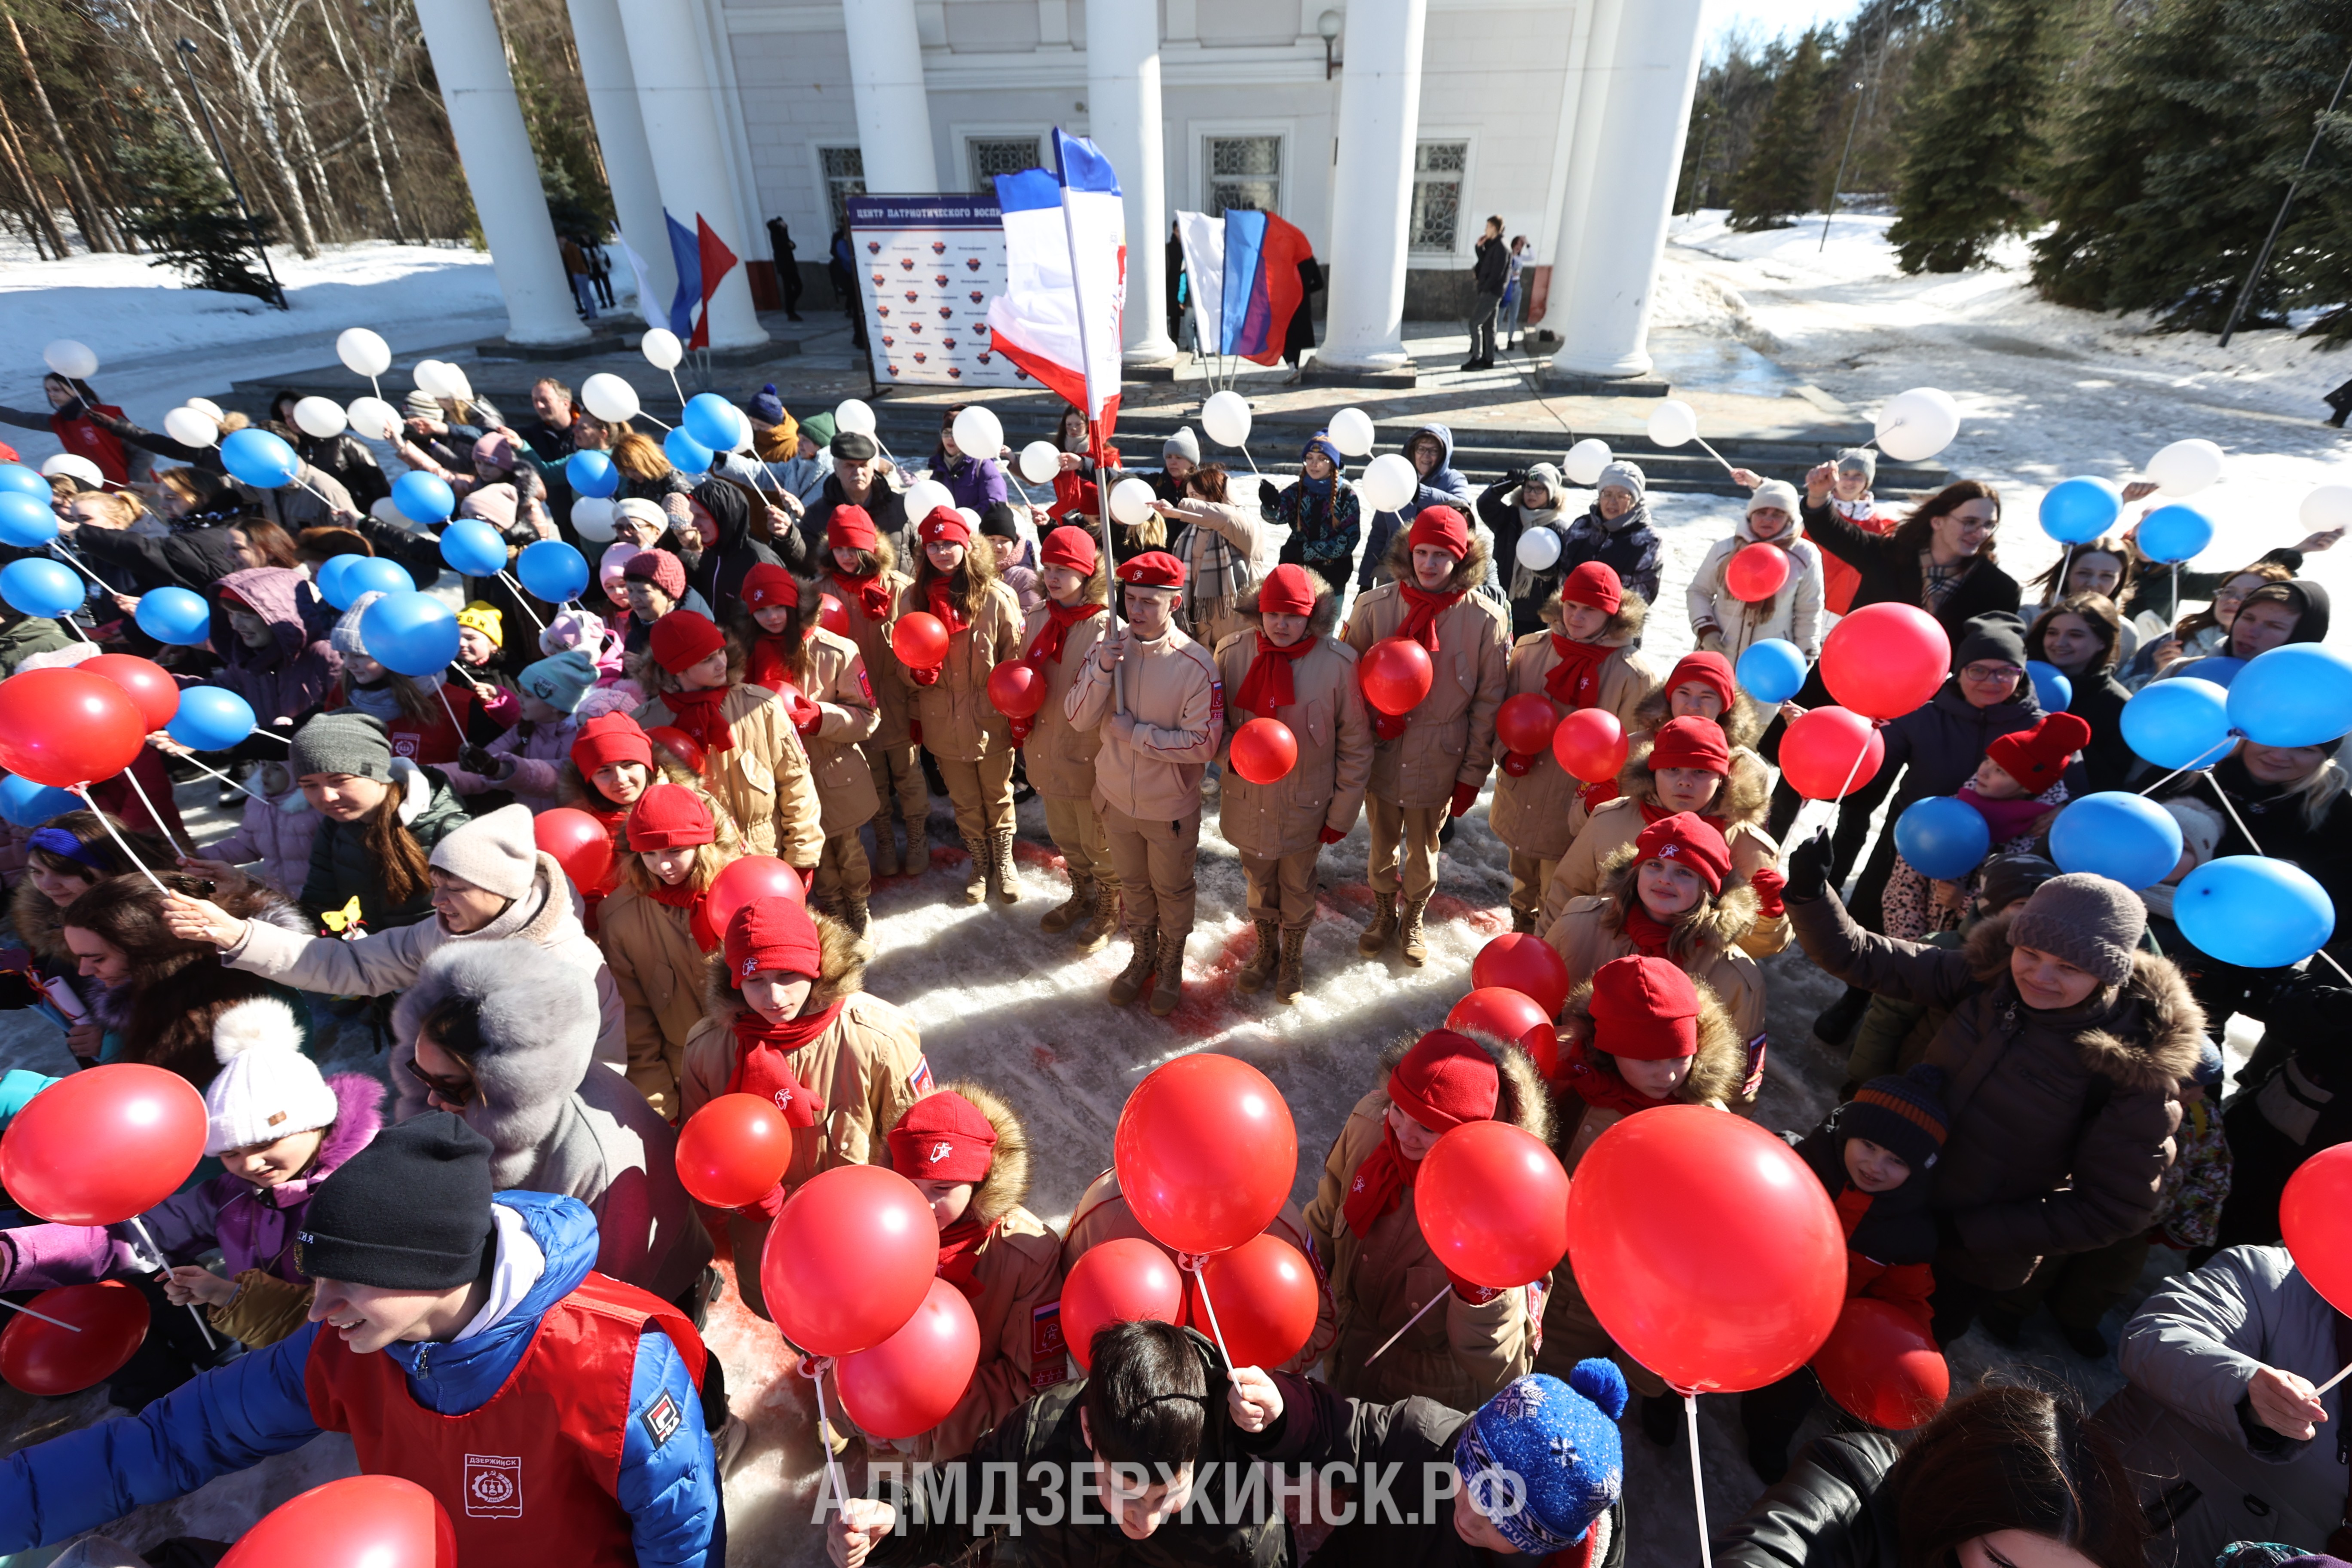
(1406,832)
(1154,861)
(1078,833)
(844,870)
(1530,877)
(898,772)
(983,794)
(1283,889)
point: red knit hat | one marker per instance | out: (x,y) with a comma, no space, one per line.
(1691,742)
(684,638)
(1708,669)
(775,932)
(1152,569)
(1646,1008)
(945,525)
(658,567)
(1687,839)
(1286,591)
(943,1137)
(1073,549)
(1446,1080)
(849,528)
(667,816)
(610,737)
(768,586)
(1595,583)
(1440,528)
(2035,757)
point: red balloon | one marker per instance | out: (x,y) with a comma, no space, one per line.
(1818,751)
(753,877)
(1017,689)
(1520,962)
(1492,1203)
(733,1150)
(913,1380)
(1708,1250)
(1508,1015)
(1886,659)
(1205,1153)
(832,614)
(41,1358)
(681,746)
(1124,1281)
(1880,1365)
(578,843)
(921,640)
(2315,1220)
(1757,571)
(1590,744)
(362,1521)
(67,727)
(1266,1298)
(849,1258)
(1264,751)
(1524,723)
(146,682)
(1395,674)
(103,1144)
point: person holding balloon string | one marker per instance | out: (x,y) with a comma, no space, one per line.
(1057,637)
(646,475)
(863,478)
(655,929)
(521,764)
(973,479)
(1000,526)
(1322,510)
(2017,790)
(800,468)
(320,435)
(1740,595)
(23,636)
(723,545)
(2273,615)
(1436,481)
(2293,1104)
(1616,531)
(270,655)
(2078,637)
(112,532)
(78,419)
(429,719)
(2109,568)
(1852,472)
(1220,546)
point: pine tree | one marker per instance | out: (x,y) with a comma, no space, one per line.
(184,214)
(1974,146)
(2294,52)
(1776,182)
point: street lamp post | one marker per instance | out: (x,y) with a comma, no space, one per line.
(220,154)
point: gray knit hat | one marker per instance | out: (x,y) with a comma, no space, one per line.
(1860,459)
(1183,444)
(1625,476)
(346,636)
(353,743)
(495,852)
(2093,922)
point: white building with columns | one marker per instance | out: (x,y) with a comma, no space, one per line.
(1387,129)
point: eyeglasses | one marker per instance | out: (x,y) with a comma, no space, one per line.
(1988,672)
(453,1092)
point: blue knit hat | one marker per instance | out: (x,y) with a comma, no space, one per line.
(1904,1115)
(767,407)
(560,681)
(1541,1461)
(1321,442)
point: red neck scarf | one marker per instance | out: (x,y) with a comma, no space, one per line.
(941,591)
(1268,685)
(1576,678)
(1046,646)
(1652,812)
(1648,934)
(1421,626)
(1604,1090)
(698,714)
(685,897)
(763,1066)
(867,593)
(1379,1184)
(960,1255)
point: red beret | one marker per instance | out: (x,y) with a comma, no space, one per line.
(1441,527)
(849,528)
(610,737)
(945,525)
(1152,569)
(1687,839)
(1446,1080)
(1072,548)
(1706,668)
(1287,591)
(768,586)
(775,932)
(1691,742)
(667,816)
(684,638)
(1595,583)
(943,1137)
(1646,1008)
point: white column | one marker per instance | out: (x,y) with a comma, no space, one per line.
(1379,115)
(501,171)
(1123,117)
(1588,92)
(612,85)
(894,110)
(1604,315)
(678,105)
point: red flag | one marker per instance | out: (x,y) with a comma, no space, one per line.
(717,262)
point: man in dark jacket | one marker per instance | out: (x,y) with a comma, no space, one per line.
(193,559)
(858,479)
(716,563)
(1430,450)
(1487,276)
(788,271)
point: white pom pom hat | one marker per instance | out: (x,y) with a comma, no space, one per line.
(266,1088)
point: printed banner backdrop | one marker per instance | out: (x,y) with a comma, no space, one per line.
(927,267)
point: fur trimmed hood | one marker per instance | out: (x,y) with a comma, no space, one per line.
(2149,1034)
(573,790)
(1006,1185)
(1320,621)
(1717,1072)
(1709,930)
(1468,572)
(1742,722)
(1523,1102)
(842,956)
(1625,627)
(38,923)
(1745,800)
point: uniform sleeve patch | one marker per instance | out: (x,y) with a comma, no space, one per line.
(1046,1347)
(865,687)
(662,1419)
(919,1080)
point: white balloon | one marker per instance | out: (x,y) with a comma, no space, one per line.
(1039,460)
(67,357)
(743,431)
(2327,507)
(190,428)
(592,517)
(320,416)
(1226,417)
(1585,460)
(374,417)
(432,378)
(386,509)
(979,433)
(852,415)
(1352,432)
(1389,481)
(1130,501)
(661,348)
(74,468)
(363,352)
(1538,549)
(1914,426)
(608,398)
(971,518)
(208,408)
(925,497)
(1673,422)
(459,388)
(2185,466)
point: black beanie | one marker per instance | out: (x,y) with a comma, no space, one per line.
(1996,634)
(409,1212)
(999,522)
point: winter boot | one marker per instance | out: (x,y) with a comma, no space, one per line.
(855,914)
(1382,927)
(1102,920)
(885,846)
(1260,968)
(918,859)
(1168,986)
(1080,904)
(1004,885)
(1291,977)
(976,870)
(1416,948)
(1128,986)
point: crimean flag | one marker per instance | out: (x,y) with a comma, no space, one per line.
(1065,278)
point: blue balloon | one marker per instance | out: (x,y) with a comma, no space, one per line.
(328,580)
(713,421)
(2299,695)
(686,454)
(211,718)
(374,575)
(2253,912)
(2077,512)
(2127,837)
(28,805)
(175,615)
(422,497)
(2174,532)
(2051,687)
(15,479)
(26,523)
(551,570)
(1772,671)
(591,474)
(473,549)
(410,633)
(259,457)
(2178,723)
(2220,669)
(1943,837)
(42,587)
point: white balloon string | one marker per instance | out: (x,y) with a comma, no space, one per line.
(155,816)
(1698,1481)
(76,1328)
(1409,1322)
(76,563)
(441,690)
(521,597)
(2332,1382)
(2223,796)
(1713,453)
(107,820)
(156,1253)
(814,1368)
(1249,460)
(2204,758)
(66,621)
(190,758)
(673,386)
(1839,804)
(1191,1263)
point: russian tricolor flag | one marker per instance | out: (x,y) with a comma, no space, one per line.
(1065,277)
(1262,291)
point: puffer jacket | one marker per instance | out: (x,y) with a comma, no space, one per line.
(1533,811)
(232,1418)
(190,558)
(344,868)
(1887,570)
(1714,1079)
(1160,716)
(718,574)
(2061,1124)
(1832,1509)
(959,722)
(1444,485)
(1449,739)
(1380,1280)
(291,677)
(26,636)
(1325,788)
(277,831)
(1629,547)
(1730,627)
(657,966)
(1061,756)
(764,781)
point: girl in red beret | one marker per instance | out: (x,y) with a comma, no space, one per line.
(1057,637)
(651,928)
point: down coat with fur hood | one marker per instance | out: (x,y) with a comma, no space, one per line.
(1060,756)
(1380,1280)
(1714,1078)
(556,1122)
(1449,739)
(1531,813)
(2061,1123)
(1325,787)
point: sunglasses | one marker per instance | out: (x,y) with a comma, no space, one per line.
(453,1092)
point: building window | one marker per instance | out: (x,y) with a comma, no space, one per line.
(1244,172)
(993,156)
(1437,170)
(844,176)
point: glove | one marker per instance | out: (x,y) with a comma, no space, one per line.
(1465,796)
(1809,868)
(915,731)
(504,768)
(476,759)
(1768,884)
(806,715)
(1516,764)
(926,677)
(1512,478)
(1474,1295)
(1388,726)
(1268,492)
(1331,835)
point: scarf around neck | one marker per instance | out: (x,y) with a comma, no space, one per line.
(1055,634)
(1646,931)
(1420,625)
(1575,680)
(1379,1184)
(683,896)
(698,713)
(959,1246)
(763,1066)
(1269,685)
(1603,1090)
(872,597)
(940,592)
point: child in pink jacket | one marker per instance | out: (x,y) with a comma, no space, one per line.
(276,830)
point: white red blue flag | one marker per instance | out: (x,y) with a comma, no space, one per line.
(1065,278)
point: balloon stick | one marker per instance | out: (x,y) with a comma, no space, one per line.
(1409,1322)
(2332,1382)
(1191,1263)
(814,1368)
(107,823)
(1249,460)
(76,1328)
(522,598)
(1854,770)
(673,386)
(1716,454)
(2211,753)
(1698,1482)
(443,690)
(75,562)
(2223,796)
(153,815)
(191,759)
(66,621)
(156,1253)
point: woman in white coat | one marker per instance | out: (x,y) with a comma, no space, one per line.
(1729,625)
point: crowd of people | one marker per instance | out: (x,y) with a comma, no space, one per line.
(782,659)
